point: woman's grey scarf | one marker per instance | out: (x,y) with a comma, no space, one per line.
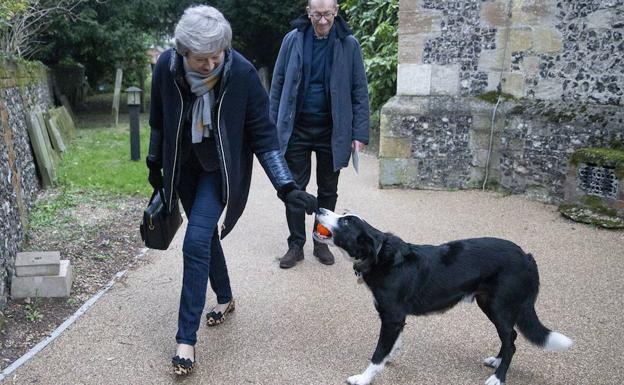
(203,87)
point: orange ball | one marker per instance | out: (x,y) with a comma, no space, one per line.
(322,230)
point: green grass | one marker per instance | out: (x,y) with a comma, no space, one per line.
(46,211)
(96,168)
(98,161)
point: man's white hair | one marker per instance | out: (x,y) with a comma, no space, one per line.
(202,29)
(310,3)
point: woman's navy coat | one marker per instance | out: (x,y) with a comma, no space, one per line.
(244,128)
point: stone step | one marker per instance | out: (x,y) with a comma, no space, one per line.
(37,263)
(45,285)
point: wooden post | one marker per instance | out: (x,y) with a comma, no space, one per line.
(116,96)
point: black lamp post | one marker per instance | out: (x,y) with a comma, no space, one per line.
(134,107)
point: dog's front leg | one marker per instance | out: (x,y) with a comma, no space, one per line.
(388,338)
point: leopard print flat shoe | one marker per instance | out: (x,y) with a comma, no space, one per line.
(217,318)
(183,366)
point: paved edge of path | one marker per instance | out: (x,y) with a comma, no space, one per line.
(69,321)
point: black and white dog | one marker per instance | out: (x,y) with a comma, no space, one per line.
(408,279)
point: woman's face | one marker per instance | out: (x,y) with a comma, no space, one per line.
(204,63)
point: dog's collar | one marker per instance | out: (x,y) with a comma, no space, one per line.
(359,267)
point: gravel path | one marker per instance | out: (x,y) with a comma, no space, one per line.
(314,324)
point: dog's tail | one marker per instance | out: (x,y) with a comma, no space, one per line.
(533,329)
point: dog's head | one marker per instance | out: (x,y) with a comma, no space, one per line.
(352,234)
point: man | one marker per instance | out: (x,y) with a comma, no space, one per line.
(319,102)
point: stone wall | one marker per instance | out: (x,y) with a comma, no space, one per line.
(23,87)
(559,65)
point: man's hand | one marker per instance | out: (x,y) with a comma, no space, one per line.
(356,145)
(302,200)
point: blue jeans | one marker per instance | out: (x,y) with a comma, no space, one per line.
(200,194)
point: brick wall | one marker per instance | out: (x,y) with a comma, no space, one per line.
(559,63)
(23,87)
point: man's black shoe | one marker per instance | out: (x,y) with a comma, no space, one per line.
(321,251)
(290,259)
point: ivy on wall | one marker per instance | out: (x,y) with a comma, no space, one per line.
(375,23)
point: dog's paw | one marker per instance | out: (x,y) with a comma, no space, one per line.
(492,362)
(493,380)
(358,379)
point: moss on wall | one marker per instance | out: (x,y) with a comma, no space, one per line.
(492,96)
(24,72)
(605,157)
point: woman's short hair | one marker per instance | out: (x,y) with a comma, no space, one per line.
(202,29)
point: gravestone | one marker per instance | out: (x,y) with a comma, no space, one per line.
(43,159)
(41,123)
(55,134)
(64,122)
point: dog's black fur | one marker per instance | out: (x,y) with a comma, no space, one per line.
(407,279)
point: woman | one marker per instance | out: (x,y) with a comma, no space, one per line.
(209,114)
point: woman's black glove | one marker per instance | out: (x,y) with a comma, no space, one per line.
(302,200)
(155,177)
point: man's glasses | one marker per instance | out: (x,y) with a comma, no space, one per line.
(317,16)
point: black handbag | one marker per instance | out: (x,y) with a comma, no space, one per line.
(159,224)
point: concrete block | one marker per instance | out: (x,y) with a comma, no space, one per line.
(417,22)
(8,83)
(513,84)
(530,65)
(411,49)
(395,147)
(520,39)
(480,158)
(494,13)
(497,59)
(44,286)
(482,122)
(410,5)
(478,140)
(491,60)
(398,172)
(33,263)
(603,18)
(414,79)
(445,79)
(493,79)
(549,90)
(532,12)
(546,40)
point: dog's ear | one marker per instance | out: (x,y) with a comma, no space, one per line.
(369,246)
(402,250)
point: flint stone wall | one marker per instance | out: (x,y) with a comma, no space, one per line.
(23,87)
(560,65)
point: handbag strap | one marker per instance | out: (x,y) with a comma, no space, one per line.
(160,192)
